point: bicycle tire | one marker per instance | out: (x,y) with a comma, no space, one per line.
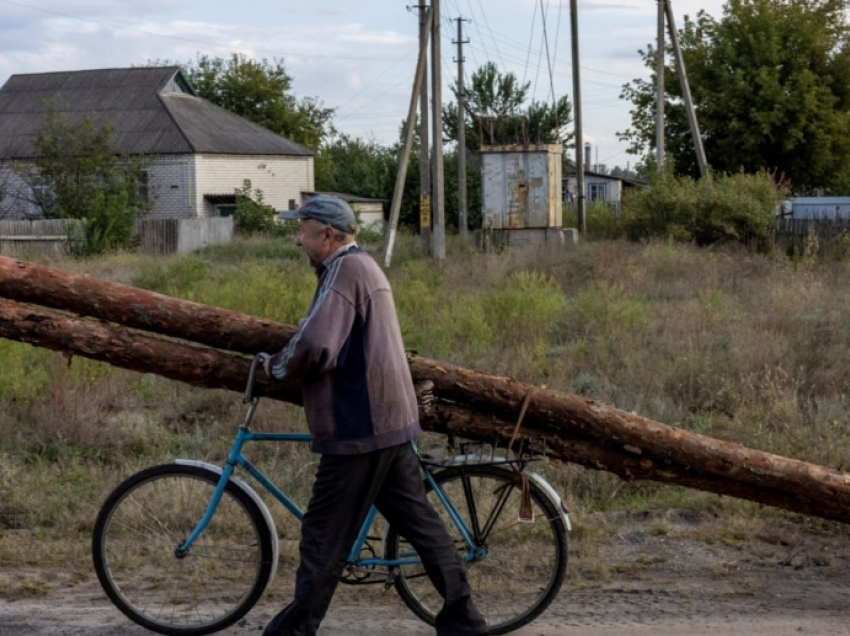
(525,563)
(135,537)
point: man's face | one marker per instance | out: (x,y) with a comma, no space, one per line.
(316,239)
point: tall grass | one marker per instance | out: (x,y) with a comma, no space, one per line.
(748,348)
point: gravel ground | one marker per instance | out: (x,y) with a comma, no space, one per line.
(652,576)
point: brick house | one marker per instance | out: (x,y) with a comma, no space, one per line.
(198,153)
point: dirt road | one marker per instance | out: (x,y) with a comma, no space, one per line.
(652,578)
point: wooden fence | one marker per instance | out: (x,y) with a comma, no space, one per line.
(179,236)
(53,237)
(56,237)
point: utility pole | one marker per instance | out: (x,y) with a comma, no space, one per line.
(462,221)
(686,91)
(580,195)
(424,151)
(395,206)
(659,90)
(437,92)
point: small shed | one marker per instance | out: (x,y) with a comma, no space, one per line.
(521,186)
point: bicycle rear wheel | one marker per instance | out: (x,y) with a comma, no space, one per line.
(525,562)
(136,534)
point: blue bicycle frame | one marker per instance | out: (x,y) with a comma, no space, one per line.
(236,458)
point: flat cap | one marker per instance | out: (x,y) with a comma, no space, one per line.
(326,209)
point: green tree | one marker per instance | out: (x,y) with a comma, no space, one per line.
(356,166)
(769,84)
(79,174)
(496,113)
(261,92)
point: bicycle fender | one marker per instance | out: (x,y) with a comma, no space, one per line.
(544,485)
(241,485)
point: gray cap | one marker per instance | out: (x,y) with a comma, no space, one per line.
(326,209)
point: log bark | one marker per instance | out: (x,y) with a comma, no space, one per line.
(98,340)
(471,403)
(552,412)
(140,309)
(454,420)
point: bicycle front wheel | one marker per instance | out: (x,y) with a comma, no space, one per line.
(135,541)
(525,560)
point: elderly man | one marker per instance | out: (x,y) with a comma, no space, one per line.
(361,409)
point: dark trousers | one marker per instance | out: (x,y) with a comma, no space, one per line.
(346,487)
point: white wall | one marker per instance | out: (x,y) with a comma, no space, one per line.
(177,184)
(279,178)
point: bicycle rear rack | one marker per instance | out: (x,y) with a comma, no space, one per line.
(489,453)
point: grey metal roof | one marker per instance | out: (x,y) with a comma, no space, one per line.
(152,109)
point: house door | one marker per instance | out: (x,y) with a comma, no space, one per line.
(226,210)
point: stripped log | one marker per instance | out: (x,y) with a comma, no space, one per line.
(790,484)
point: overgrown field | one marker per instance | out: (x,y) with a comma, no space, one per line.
(744,347)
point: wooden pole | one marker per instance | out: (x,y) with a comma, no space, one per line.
(140,309)
(398,191)
(425,216)
(659,90)
(579,133)
(686,91)
(121,347)
(438,190)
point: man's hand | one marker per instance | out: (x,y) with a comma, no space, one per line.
(265,358)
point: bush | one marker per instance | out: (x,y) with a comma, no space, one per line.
(722,209)
(253,216)
(603,220)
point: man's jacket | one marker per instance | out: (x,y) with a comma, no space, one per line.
(349,355)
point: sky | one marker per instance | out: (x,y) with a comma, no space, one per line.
(359,57)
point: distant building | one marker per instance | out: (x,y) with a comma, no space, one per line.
(199,154)
(818,208)
(599,187)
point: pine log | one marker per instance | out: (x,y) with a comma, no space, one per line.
(456,421)
(207,367)
(98,340)
(555,413)
(140,309)
(614,440)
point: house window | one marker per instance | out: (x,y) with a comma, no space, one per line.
(597,191)
(41,201)
(144,188)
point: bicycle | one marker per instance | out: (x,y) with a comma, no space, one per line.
(188,548)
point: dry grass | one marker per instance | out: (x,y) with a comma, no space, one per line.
(747,348)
